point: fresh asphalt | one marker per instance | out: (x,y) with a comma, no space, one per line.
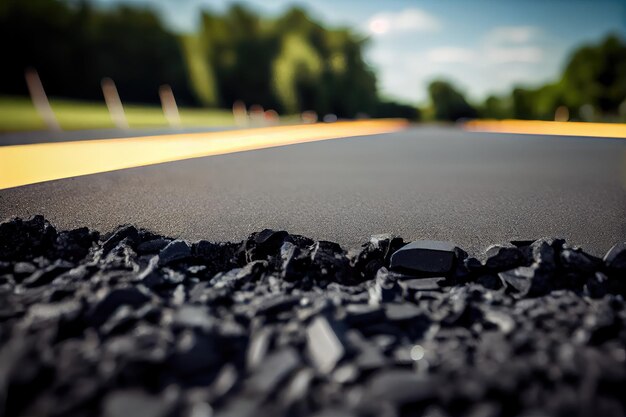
(441,183)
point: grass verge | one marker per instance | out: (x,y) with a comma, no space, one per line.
(19,114)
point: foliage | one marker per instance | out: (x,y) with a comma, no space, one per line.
(392,109)
(73,46)
(594,78)
(448,103)
(289,63)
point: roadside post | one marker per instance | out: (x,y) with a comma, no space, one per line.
(40,99)
(114,104)
(168,102)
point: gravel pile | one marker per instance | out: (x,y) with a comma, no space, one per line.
(132,324)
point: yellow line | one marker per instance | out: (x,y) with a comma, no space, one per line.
(536,127)
(28,164)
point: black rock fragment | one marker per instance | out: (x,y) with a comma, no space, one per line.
(152,246)
(412,286)
(374,255)
(503,257)
(385,287)
(26,239)
(46,275)
(615,258)
(325,343)
(260,246)
(75,244)
(176,250)
(424,257)
(128,232)
(113,299)
(330,263)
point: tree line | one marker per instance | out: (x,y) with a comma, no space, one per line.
(290,63)
(591,87)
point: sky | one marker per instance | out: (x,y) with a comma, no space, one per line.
(483,46)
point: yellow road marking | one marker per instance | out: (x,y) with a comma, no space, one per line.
(29,164)
(537,127)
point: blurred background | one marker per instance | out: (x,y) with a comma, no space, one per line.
(191,62)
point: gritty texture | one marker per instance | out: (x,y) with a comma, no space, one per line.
(423,183)
(131,323)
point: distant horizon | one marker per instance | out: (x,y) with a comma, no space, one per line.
(487,49)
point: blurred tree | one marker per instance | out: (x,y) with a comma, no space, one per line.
(73,46)
(523,104)
(496,107)
(593,85)
(596,75)
(297,72)
(290,63)
(448,103)
(201,73)
(393,109)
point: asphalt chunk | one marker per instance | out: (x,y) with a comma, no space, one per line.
(174,251)
(424,257)
(615,258)
(325,345)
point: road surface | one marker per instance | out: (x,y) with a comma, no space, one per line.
(440,183)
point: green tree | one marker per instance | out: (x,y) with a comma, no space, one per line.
(74,45)
(448,103)
(594,78)
(596,75)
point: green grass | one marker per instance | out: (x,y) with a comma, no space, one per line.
(18,114)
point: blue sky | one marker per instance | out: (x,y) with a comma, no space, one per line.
(484,46)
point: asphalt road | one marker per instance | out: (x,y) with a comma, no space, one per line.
(474,189)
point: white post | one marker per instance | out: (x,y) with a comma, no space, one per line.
(114,104)
(168,102)
(256,115)
(240,114)
(561,114)
(40,99)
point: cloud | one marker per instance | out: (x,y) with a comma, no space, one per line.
(512,34)
(518,54)
(501,45)
(450,55)
(409,20)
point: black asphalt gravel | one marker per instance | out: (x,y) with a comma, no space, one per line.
(131,323)
(438,183)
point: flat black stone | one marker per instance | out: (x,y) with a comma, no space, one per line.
(174,251)
(152,246)
(615,258)
(503,257)
(123,232)
(424,257)
(325,344)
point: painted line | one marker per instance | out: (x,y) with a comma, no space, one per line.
(537,127)
(29,164)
